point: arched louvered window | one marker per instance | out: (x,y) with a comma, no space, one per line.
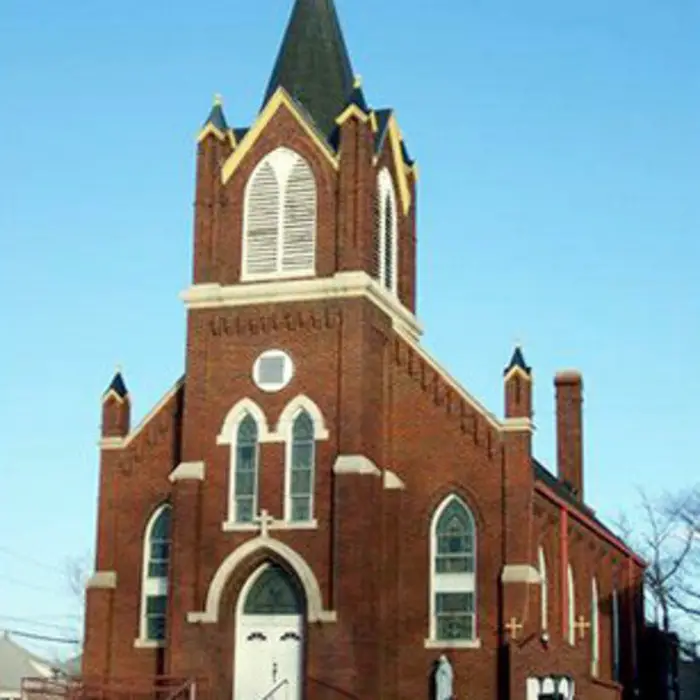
(244,496)
(386,242)
(453,573)
(279,237)
(544,593)
(571,596)
(300,469)
(595,628)
(154,585)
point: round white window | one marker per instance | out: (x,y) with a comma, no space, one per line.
(273,370)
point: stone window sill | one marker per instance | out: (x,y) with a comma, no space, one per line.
(453,644)
(232,526)
(148,643)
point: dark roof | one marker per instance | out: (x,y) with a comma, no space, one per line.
(313,64)
(357,97)
(383,116)
(216,117)
(518,360)
(566,493)
(240,134)
(118,386)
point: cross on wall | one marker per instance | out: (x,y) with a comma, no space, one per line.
(514,627)
(264,520)
(581,626)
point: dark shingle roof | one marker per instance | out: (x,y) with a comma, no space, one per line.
(118,386)
(518,360)
(382,116)
(313,64)
(216,117)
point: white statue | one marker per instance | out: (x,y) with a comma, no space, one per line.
(444,677)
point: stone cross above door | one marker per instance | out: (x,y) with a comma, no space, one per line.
(264,520)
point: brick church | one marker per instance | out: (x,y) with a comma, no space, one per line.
(317,509)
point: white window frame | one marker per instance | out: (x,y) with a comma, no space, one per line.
(288,371)
(595,628)
(281,160)
(288,472)
(571,599)
(151,585)
(451,583)
(232,514)
(385,186)
(544,593)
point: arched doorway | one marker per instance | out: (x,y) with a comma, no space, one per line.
(269,637)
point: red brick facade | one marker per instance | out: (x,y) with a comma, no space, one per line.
(386,405)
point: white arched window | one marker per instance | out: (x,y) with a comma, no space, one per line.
(386,243)
(244,481)
(301,458)
(615,635)
(154,584)
(595,628)
(453,573)
(279,222)
(544,613)
(571,597)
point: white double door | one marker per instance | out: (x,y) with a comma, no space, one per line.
(268,657)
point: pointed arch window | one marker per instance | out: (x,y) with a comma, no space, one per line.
(615,635)
(244,496)
(453,574)
(544,593)
(386,242)
(300,469)
(154,585)
(279,229)
(571,598)
(595,628)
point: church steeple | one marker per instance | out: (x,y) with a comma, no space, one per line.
(313,64)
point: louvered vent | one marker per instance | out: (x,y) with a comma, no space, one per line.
(262,222)
(387,235)
(299,219)
(280,229)
(378,233)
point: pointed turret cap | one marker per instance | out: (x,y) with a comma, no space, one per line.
(518,360)
(216,117)
(118,386)
(313,64)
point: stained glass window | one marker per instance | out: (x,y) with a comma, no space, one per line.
(273,593)
(455,540)
(246,474)
(302,468)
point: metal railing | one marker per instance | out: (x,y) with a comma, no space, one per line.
(278,686)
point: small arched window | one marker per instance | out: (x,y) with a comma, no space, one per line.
(595,628)
(453,573)
(279,230)
(154,586)
(571,597)
(386,242)
(244,496)
(300,469)
(544,597)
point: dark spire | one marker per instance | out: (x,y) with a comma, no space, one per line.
(518,360)
(313,64)
(118,386)
(216,117)
(357,97)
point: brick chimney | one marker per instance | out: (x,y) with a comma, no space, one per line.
(569,398)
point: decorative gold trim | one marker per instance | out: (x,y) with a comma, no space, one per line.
(516,369)
(395,141)
(111,392)
(208,129)
(373,121)
(352,111)
(279,99)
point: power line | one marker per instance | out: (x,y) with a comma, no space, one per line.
(35,623)
(28,586)
(30,560)
(41,637)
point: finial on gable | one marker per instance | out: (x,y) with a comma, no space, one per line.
(218,100)
(357,82)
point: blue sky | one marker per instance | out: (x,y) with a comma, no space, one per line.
(559,155)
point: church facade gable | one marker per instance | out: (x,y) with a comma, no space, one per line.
(320,495)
